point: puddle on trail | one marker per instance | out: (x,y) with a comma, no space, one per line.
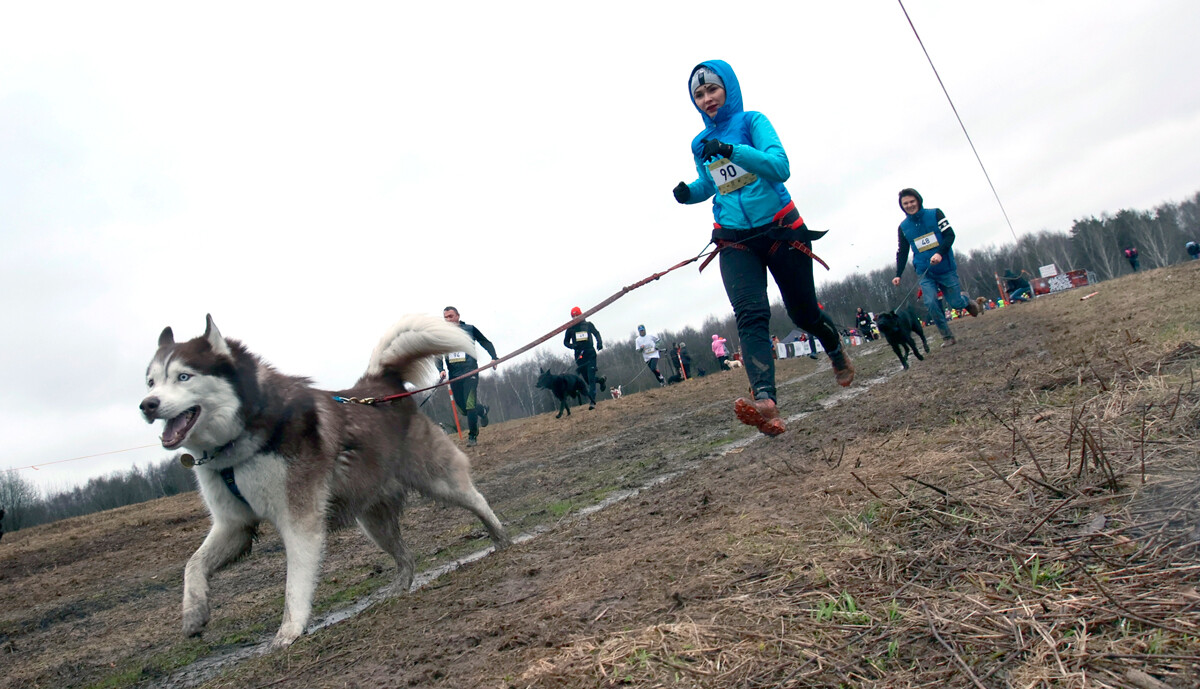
(207,668)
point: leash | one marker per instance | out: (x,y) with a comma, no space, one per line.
(496,362)
(910,289)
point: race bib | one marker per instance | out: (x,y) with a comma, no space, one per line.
(456,357)
(648,349)
(926,242)
(729,177)
(581,336)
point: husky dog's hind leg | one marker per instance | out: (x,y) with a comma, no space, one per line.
(381,524)
(451,483)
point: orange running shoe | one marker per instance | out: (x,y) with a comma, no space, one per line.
(843,370)
(762,414)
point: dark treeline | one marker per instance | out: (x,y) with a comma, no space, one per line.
(1095,244)
(24,506)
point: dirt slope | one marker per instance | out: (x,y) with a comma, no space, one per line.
(1016,509)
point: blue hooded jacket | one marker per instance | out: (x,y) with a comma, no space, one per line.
(756,148)
(923,233)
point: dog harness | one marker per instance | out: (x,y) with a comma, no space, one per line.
(226,474)
(227,477)
(803,248)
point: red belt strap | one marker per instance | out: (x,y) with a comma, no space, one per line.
(803,248)
(791,206)
(721,245)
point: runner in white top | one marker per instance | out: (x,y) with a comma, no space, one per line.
(648,346)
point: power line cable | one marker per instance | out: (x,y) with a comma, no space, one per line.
(960,122)
(37,466)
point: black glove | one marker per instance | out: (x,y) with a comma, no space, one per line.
(714,148)
(682,193)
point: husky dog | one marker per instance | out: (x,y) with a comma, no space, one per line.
(270,446)
(616,392)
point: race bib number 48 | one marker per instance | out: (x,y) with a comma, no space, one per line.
(729,177)
(926,242)
(581,336)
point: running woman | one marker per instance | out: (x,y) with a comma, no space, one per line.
(742,166)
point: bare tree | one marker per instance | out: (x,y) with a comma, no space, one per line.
(17,498)
(1097,250)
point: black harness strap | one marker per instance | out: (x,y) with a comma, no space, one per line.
(227,477)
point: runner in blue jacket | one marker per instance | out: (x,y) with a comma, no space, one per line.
(928,233)
(742,166)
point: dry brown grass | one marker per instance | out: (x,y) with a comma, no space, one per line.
(1066,556)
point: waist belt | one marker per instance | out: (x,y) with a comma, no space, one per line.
(723,244)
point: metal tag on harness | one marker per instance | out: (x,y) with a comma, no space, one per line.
(729,177)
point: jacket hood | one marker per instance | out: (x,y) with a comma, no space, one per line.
(733,92)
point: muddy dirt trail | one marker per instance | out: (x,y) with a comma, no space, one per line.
(887,539)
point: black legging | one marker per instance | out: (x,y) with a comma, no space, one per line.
(652,364)
(585,367)
(744,272)
(468,403)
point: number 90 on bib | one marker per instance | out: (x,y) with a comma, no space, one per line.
(729,177)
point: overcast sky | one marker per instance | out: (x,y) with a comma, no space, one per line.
(308,173)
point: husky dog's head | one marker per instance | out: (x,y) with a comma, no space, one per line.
(192,387)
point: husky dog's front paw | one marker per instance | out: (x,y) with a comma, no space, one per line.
(194,620)
(284,638)
(404,581)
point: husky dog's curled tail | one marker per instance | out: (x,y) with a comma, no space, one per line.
(411,344)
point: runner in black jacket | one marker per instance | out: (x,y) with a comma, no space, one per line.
(580,337)
(466,390)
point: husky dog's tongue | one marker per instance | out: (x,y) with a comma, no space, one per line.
(177,428)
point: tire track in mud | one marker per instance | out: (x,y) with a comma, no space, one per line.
(210,667)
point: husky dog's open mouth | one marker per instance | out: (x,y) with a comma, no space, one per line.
(177,428)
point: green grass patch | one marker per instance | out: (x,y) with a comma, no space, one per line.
(158,665)
(842,609)
(349,593)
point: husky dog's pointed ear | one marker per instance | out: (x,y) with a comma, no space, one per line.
(166,337)
(214,336)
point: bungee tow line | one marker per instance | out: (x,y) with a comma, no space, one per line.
(721,245)
(496,362)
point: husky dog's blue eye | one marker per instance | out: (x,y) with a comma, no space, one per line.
(184,376)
